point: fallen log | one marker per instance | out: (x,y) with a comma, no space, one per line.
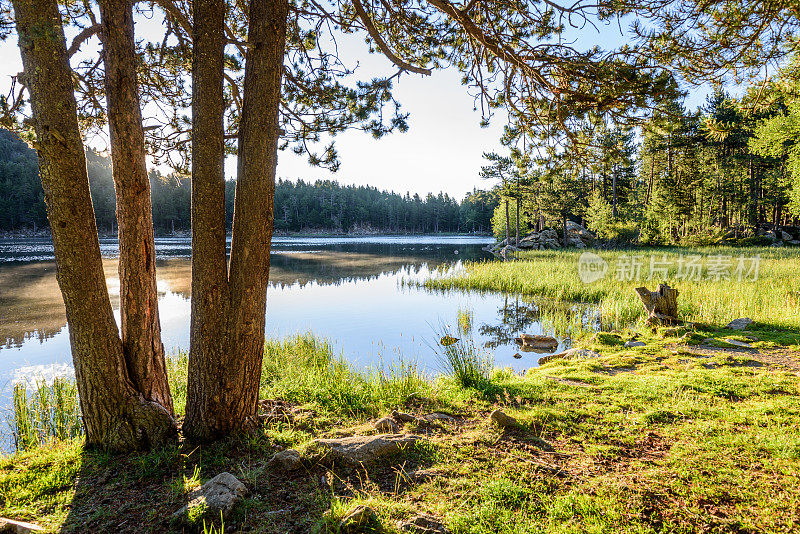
(661,305)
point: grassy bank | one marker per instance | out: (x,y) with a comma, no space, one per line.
(670,437)
(773,298)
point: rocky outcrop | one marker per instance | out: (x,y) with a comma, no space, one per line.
(216,496)
(357,450)
(286,460)
(360,519)
(18,527)
(547,239)
(502,419)
(569,354)
(739,324)
(423,524)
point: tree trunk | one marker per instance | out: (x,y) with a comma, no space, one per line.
(564,228)
(516,242)
(508,225)
(210,296)
(115,415)
(614,191)
(141,327)
(661,305)
(227,398)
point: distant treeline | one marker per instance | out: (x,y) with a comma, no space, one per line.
(299,206)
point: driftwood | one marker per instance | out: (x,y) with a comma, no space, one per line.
(661,305)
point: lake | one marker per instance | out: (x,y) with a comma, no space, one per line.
(353,291)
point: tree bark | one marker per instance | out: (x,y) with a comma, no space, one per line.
(661,305)
(141,327)
(227,399)
(516,241)
(210,296)
(115,415)
(508,225)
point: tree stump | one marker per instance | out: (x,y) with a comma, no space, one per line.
(661,305)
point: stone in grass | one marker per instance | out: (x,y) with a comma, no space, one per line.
(737,343)
(439,416)
(631,344)
(503,420)
(386,425)
(569,354)
(403,417)
(18,527)
(216,496)
(359,519)
(355,450)
(423,524)
(285,460)
(739,324)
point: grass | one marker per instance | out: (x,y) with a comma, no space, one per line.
(680,435)
(774,298)
(50,413)
(656,439)
(461,359)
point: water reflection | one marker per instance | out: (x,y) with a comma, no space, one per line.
(349,291)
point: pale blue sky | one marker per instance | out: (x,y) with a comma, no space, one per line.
(442,151)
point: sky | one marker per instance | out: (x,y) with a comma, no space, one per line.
(441,151)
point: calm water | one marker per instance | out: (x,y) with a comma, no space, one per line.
(348,290)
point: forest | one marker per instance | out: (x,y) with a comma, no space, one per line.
(722,171)
(299,206)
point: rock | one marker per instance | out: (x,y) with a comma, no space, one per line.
(503,420)
(737,343)
(569,354)
(286,460)
(786,236)
(387,425)
(529,342)
(355,450)
(423,524)
(739,324)
(674,331)
(517,356)
(794,242)
(439,416)
(403,417)
(18,527)
(217,495)
(358,520)
(631,344)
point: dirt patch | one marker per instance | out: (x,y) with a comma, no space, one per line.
(775,358)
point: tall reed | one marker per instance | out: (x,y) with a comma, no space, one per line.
(51,413)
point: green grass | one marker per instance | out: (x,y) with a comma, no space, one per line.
(773,299)
(636,441)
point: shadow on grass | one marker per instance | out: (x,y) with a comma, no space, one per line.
(140,492)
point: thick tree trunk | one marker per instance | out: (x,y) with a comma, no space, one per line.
(227,399)
(209,263)
(115,416)
(141,327)
(661,305)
